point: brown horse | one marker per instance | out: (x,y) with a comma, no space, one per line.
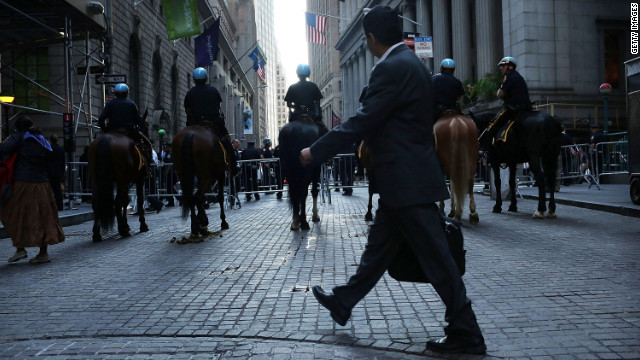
(198,153)
(114,158)
(456,143)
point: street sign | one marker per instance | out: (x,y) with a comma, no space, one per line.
(111,79)
(424,47)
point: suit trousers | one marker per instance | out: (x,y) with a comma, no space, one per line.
(419,228)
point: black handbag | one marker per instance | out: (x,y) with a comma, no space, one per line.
(405,267)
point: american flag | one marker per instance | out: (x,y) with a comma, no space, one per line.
(260,70)
(315,28)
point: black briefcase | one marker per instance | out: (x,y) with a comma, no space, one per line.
(405,267)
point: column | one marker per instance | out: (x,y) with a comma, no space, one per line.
(487,36)
(354,88)
(363,73)
(346,79)
(441,32)
(461,29)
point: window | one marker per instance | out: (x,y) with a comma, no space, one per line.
(157,80)
(35,65)
(134,68)
(613,57)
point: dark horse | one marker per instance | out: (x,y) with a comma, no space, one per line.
(536,140)
(456,143)
(114,157)
(295,136)
(198,153)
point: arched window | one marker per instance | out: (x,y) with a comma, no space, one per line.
(134,69)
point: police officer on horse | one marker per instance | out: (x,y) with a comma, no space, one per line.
(202,105)
(303,98)
(447,88)
(123,117)
(515,94)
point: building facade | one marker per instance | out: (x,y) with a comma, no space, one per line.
(565,49)
(325,62)
(266,38)
(51,76)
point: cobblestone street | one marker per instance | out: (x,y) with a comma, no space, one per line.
(565,288)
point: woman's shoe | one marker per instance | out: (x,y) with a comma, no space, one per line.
(40,259)
(20,254)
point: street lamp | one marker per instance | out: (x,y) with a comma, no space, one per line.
(605,90)
(6,99)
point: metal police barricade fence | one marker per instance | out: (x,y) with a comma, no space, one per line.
(343,172)
(574,165)
(259,176)
(610,157)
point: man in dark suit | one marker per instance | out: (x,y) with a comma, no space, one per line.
(250,170)
(396,121)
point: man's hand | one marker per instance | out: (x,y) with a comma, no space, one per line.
(305,156)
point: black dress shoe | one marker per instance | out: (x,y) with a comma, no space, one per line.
(449,345)
(338,313)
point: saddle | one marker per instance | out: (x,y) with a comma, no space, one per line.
(504,131)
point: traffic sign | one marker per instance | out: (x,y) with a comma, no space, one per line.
(424,47)
(111,79)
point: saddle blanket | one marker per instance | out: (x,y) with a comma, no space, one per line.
(504,132)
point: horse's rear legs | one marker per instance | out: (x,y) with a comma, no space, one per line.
(140,206)
(473,214)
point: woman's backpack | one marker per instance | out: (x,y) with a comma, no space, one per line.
(7,167)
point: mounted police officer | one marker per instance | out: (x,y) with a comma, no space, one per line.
(303,98)
(123,117)
(202,105)
(447,88)
(515,94)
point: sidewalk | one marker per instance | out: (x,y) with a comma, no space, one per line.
(612,198)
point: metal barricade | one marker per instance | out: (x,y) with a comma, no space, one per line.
(610,156)
(259,176)
(342,173)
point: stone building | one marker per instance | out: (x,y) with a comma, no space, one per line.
(325,62)
(49,75)
(565,49)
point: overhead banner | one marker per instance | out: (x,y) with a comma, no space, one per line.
(181,17)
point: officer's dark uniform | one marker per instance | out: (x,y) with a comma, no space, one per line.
(202,103)
(122,114)
(516,99)
(447,90)
(302,97)
(250,170)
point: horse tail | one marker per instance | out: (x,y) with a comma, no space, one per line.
(188,174)
(461,159)
(104,210)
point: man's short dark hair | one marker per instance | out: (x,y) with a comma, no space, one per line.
(383,22)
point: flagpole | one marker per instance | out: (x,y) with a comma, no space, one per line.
(331,16)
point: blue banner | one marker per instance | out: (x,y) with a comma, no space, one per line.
(207,45)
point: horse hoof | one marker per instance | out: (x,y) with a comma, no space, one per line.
(497,210)
(452,214)
(97,238)
(513,208)
(224,225)
(538,215)
(474,218)
(551,214)
(315,218)
(144,228)
(203,231)
(368,217)
(305,226)
(194,236)
(295,226)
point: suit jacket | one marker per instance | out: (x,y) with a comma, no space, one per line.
(396,121)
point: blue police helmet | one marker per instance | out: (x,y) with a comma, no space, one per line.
(508,60)
(121,89)
(199,74)
(448,64)
(303,70)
